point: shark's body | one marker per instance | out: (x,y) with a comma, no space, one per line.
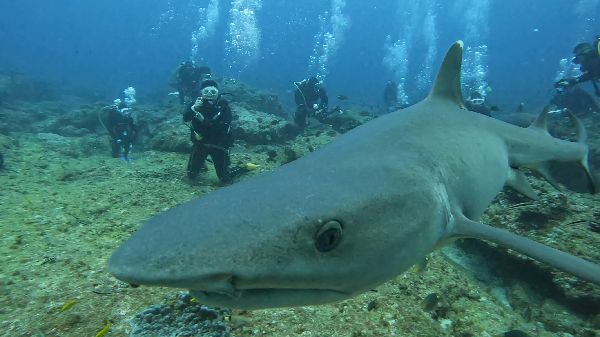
(353,214)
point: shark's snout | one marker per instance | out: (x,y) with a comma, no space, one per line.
(128,267)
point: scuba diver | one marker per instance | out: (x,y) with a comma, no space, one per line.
(311,99)
(575,99)
(209,118)
(476,102)
(187,79)
(121,128)
(390,96)
(588,58)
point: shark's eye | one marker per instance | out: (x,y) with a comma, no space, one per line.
(328,236)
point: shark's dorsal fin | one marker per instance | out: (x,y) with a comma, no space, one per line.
(447,82)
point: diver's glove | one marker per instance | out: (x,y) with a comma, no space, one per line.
(199,116)
(565,83)
(196,107)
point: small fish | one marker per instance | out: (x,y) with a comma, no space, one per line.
(342,97)
(421,266)
(194,300)
(67,305)
(250,166)
(104,330)
(513,333)
(430,302)
(237,321)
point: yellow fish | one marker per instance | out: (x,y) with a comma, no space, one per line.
(250,166)
(67,305)
(104,330)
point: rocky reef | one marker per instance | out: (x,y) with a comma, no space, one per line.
(181,317)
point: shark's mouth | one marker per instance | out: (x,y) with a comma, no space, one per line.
(259,298)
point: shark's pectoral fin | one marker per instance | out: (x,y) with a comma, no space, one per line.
(563,261)
(447,82)
(518,181)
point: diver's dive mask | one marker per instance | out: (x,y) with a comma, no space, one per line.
(210,94)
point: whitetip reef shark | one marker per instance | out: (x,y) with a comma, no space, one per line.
(355,213)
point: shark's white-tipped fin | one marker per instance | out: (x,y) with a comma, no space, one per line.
(447,82)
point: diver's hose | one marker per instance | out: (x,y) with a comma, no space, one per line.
(301,93)
(102,122)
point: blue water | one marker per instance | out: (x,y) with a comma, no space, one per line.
(105,46)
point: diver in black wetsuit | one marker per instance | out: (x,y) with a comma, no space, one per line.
(121,128)
(311,99)
(588,57)
(575,99)
(210,117)
(187,79)
(476,102)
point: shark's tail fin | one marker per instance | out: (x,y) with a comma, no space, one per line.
(541,125)
(447,82)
